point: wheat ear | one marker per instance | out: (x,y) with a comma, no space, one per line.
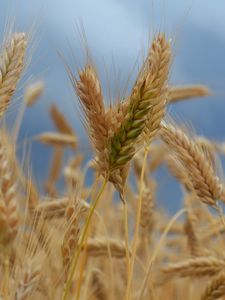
(54,172)
(195,267)
(71,236)
(11,67)
(33,92)
(215,289)
(60,121)
(56,208)
(146,222)
(89,91)
(57,139)
(147,219)
(8,199)
(100,247)
(192,232)
(29,279)
(98,285)
(187,92)
(158,103)
(206,184)
(178,171)
(144,99)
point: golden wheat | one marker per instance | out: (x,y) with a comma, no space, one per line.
(75,242)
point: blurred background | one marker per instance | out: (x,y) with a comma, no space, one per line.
(118,33)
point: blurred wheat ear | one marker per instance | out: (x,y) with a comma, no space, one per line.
(11,66)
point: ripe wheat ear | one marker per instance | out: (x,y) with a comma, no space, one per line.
(11,67)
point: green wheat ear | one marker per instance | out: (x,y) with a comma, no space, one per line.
(146,94)
(122,143)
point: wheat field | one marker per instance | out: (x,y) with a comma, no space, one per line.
(110,240)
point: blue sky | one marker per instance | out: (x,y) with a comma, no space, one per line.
(118,32)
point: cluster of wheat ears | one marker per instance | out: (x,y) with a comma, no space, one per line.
(82,243)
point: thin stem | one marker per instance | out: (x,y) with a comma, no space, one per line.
(82,267)
(82,239)
(6,278)
(84,257)
(155,253)
(125,209)
(137,225)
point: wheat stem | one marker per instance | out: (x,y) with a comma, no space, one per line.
(83,236)
(126,231)
(137,225)
(156,251)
